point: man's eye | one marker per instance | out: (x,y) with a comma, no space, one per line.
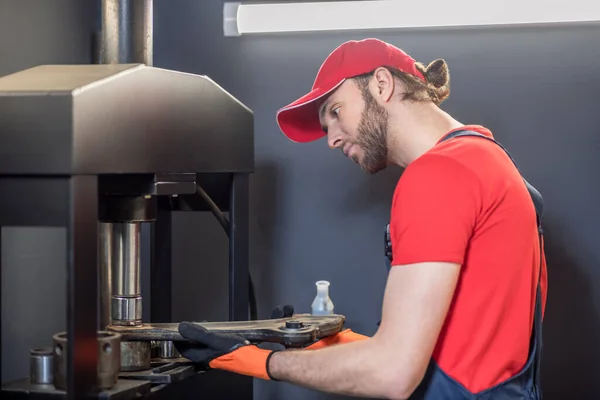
(335,112)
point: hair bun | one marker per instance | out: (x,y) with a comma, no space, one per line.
(437,73)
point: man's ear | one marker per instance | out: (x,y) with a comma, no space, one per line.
(384,84)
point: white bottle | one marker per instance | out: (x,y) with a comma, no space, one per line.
(322,304)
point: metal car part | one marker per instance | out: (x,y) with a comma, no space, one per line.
(135,356)
(165,349)
(41,366)
(109,360)
(296,331)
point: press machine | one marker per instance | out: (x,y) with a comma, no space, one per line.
(102,149)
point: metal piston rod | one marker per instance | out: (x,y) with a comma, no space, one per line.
(121,250)
(126,298)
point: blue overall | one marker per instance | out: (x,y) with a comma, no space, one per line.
(437,385)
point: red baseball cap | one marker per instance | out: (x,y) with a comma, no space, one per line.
(299,120)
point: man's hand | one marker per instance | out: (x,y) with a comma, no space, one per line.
(225,351)
(236,354)
(221,351)
(345,336)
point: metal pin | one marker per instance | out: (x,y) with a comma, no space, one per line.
(41,366)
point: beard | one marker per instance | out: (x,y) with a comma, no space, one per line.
(372,135)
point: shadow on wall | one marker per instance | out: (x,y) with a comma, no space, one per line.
(372,192)
(265,209)
(570,308)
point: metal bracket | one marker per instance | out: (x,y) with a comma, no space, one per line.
(296,331)
(162,374)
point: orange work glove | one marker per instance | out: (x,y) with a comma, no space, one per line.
(222,351)
(345,336)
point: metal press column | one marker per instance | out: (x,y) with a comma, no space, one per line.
(127,31)
(126,38)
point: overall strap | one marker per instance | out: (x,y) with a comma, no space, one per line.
(538,203)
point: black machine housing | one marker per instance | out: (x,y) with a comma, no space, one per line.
(84,143)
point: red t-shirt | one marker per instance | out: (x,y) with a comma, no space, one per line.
(464,202)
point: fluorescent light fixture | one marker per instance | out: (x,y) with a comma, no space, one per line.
(241,19)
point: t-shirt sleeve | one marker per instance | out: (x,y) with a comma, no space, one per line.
(434,211)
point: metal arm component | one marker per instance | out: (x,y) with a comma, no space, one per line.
(296,331)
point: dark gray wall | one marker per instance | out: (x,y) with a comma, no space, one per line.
(536,88)
(33,287)
(533,87)
(36,32)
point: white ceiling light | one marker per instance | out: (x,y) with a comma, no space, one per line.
(241,19)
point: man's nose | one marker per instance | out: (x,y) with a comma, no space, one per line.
(334,138)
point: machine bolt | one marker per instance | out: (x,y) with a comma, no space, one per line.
(294,324)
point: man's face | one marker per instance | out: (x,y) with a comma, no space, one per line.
(356,124)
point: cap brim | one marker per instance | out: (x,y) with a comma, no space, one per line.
(299,120)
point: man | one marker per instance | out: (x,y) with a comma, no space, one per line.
(466,255)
